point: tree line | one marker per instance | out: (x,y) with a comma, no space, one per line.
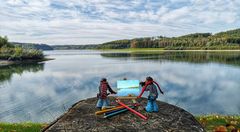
(222,40)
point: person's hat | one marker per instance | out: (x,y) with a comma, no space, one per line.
(149,78)
(103,80)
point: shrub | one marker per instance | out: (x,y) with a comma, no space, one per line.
(19,53)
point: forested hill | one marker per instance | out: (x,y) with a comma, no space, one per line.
(72,47)
(197,41)
(33,46)
(223,40)
(231,33)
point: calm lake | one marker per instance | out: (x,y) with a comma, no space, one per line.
(200,82)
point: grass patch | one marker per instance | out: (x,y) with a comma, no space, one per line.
(209,122)
(21,127)
(217,122)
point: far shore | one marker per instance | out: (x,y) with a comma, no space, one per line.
(147,50)
(162,50)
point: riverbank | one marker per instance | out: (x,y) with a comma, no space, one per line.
(209,122)
(161,50)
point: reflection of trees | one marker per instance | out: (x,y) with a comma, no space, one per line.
(232,58)
(7,71)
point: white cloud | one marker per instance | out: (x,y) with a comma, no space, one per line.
(81,22)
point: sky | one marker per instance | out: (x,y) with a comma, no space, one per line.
(58,22)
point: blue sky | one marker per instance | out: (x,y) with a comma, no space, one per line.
(98,21)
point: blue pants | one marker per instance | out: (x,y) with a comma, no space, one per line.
(102,102)
(151,105)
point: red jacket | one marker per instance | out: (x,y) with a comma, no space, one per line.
(103,88)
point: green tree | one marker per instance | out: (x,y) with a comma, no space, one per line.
(4,42)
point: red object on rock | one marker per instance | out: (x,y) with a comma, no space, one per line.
(132,110)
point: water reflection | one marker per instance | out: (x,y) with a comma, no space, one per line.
(231,57)
(209,87)
(8,71)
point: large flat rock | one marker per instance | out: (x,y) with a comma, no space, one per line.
(81,117)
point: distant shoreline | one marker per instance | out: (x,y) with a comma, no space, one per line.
(160,49)
(143,49)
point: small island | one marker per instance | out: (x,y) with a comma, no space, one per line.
(12,54)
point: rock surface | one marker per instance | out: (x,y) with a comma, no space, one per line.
(81,117)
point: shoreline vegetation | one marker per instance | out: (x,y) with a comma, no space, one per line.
(161,50)
(229,40)
(21,127)
(209,122)
(221,123)
(12,54)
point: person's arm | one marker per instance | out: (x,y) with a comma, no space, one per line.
(143,89)
(99,91)
(110,89)
(99,88)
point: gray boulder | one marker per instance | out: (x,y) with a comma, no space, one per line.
(81,117)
